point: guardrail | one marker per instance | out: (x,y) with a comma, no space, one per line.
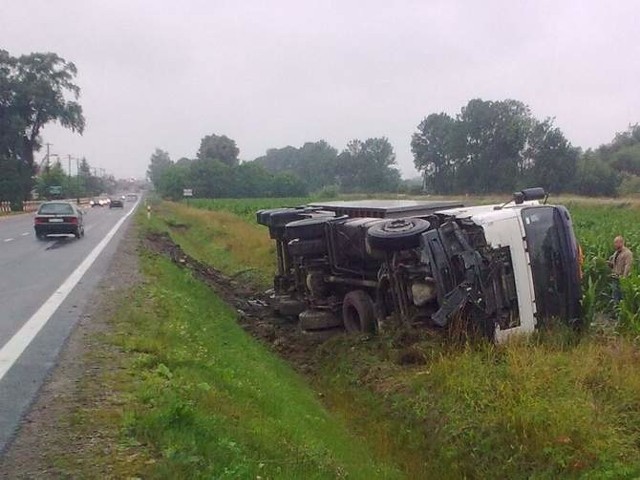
(32,205)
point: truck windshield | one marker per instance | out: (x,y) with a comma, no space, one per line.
(554,262)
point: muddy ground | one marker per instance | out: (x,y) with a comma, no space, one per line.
(255,314)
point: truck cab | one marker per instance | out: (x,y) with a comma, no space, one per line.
(544,256)
(500,269)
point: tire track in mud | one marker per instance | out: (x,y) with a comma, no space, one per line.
(254,312)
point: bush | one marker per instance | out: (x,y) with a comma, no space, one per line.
(328,191)
(630,185)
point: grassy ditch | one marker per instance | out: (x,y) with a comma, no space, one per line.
(210,402)
(191,395)
(552,406)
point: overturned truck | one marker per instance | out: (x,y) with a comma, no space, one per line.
(358,265)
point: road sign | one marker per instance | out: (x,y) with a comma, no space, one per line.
(55,189)
(187,192)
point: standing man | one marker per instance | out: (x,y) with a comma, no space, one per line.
(620,263)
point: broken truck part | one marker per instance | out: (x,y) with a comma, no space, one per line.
(500,269)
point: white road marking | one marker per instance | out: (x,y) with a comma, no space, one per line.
(8,239)
(24,234)
(12,350)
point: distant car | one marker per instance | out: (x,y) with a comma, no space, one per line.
(95,202)
(116,202)
(58,218)
(132,197)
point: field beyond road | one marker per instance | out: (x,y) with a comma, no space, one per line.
(183,385)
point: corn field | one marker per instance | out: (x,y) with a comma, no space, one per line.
(596,226)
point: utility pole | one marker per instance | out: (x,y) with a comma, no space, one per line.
(48,145)
(77,180)
(69,170)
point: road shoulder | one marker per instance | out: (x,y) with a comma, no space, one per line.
(48,427)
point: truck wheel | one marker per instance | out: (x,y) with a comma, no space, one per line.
(398,234)
(307,248)
(289,307)
(306,229)
(358,312)
(318,320)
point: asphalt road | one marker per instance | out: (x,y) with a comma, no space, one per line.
(32,273)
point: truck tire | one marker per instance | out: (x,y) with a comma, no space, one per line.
(306,229)
(289,307)
(358,312)
(311,320)
(307,248)
(398,234)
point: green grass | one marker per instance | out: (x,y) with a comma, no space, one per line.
(230,243)
(531,410)
(211,402)
(246,207)
(554,406)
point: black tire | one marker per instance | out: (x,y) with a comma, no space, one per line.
(318,320)
(289,307)
(78,233)
(306,229)
(41,237)
(280,218)
(358,312)
(398,234)
(307,248)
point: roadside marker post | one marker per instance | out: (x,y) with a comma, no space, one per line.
(187,193)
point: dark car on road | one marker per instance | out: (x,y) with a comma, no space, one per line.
(58,218)
(116,203)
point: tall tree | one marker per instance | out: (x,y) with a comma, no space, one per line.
(35,90)
(314,163)
(492,146)
(492,136)
(219,147)
(159,162)
(368,166)
(549,159)
(433,153)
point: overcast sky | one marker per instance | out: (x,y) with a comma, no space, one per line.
(275,73)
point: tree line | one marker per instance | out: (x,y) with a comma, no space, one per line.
(488,147)
(498,147)
(84,183)
(363,166)
(35,90)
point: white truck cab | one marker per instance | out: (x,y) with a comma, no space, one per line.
(544,256)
